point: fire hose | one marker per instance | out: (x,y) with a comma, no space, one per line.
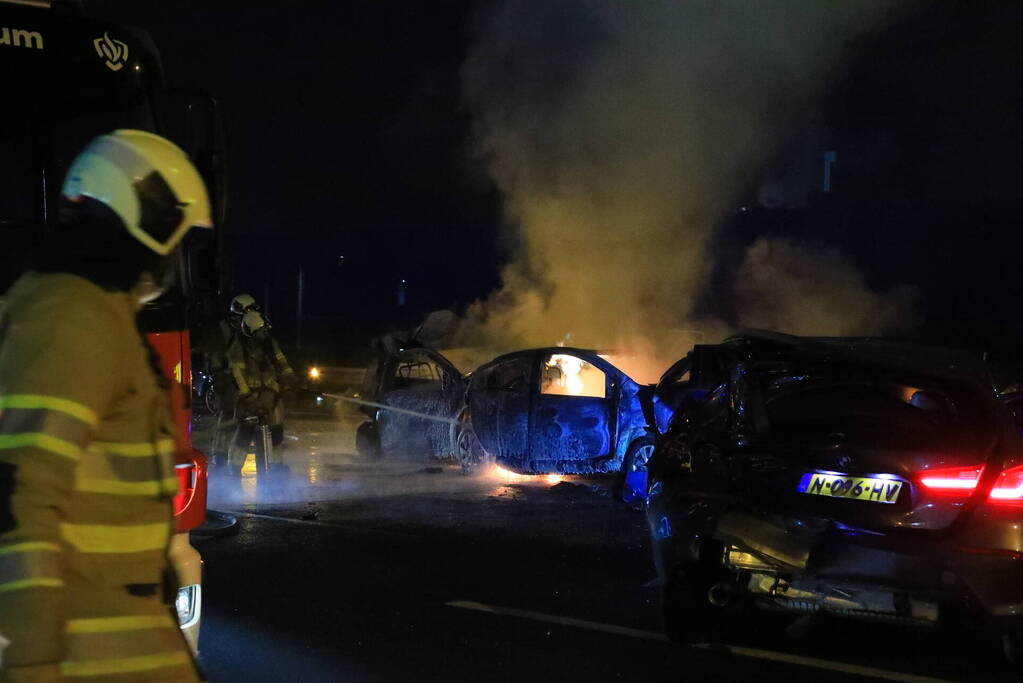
(382,406)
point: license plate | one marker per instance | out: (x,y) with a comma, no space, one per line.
(871,489)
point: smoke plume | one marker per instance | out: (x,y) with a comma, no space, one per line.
(619,133)
(784,286)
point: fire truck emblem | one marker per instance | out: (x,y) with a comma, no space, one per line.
(113,52)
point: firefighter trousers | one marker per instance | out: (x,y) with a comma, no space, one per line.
(114,635)
(249,434)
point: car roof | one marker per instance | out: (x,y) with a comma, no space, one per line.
(914,357)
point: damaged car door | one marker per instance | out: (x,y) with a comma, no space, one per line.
(499,400)
(573,413)
(428,393)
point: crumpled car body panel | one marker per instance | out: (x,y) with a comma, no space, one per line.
(522,427)
(765,415)
(532,432)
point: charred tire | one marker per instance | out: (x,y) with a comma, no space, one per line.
(470,453)
(634,480)
(367,441)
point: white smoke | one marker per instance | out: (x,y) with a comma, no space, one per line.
(800,290)
(619,133)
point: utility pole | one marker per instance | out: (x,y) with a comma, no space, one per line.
(266,298)
(830,157)
(298,308)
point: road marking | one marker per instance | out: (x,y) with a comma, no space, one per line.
(554,619)
(780,657)
(814,663)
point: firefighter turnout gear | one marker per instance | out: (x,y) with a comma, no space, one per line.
(86,484)
(223,380)
(147,181)
(261,373)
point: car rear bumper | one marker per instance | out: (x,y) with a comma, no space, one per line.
(974,573)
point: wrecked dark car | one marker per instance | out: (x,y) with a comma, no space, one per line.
(556,410)
(858,478)
(420,396)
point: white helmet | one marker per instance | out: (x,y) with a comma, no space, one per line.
(243,303)
(147,181)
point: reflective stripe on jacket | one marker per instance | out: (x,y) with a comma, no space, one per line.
(258,365)
(86,441)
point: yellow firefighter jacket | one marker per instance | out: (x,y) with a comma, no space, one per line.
(258,366)
(86,482)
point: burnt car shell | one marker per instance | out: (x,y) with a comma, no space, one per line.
(532,424)
(419,380)
(762,414)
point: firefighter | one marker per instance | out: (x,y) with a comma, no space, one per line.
(86,436)
(261,374)
(229,329)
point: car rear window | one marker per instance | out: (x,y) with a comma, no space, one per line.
(892,413)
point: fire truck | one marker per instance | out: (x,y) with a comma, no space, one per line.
(67,78)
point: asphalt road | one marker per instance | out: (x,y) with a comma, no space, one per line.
(408,571)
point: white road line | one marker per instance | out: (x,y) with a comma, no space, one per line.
(554,619)
(814,663)
(781,657)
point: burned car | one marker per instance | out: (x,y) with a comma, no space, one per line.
(419,396)
(556,410)
(852,477)
(540,411)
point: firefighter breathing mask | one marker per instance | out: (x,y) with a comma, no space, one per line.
(147,181)
(254,325)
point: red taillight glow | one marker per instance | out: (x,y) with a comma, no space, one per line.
(1009,485)
(961,481)
(952,480)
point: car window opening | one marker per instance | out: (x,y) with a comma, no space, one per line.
(566,375)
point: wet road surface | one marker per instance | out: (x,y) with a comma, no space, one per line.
(361,570)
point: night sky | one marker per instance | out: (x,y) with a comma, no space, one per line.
(348,137)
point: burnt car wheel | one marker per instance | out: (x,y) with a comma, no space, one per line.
(634,472)
(367,441)
(470,452)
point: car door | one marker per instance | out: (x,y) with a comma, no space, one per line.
(426,393)
(499,401)
(573,414)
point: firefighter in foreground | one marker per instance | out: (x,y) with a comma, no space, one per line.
(261,374)
(86,437)
(227,331)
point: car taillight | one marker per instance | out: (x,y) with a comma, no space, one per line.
(954,481)
(186,486)
(1008,487)
(961,482)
